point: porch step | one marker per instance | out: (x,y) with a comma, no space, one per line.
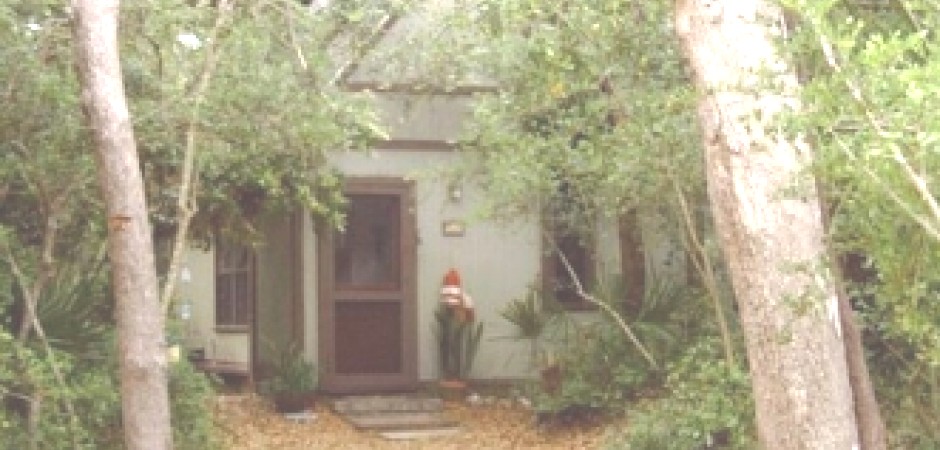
(401,420)
(397,417)
(418,434)
(387,403)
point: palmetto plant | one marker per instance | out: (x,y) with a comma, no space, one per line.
(532,315)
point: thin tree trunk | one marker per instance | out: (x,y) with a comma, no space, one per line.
(871,428)
(768,219)
(698,255)
(187,206)
(632,260)
(32,422)
(140,319)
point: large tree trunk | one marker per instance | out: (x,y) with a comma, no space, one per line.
(141,345)
(768,219)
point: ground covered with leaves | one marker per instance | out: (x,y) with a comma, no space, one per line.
(248,422)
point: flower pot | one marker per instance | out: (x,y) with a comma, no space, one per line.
(551,378)
(453,389)
(290,402)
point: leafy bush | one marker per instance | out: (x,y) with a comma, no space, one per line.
(291,373)
(908,390)
(600,367)
(91,389)
(705,403)
(191,395)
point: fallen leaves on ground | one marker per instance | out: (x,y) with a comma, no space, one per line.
(249,423)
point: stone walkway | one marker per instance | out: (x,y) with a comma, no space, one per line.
(248,423)
(397,416)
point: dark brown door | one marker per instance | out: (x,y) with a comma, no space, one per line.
(367,307)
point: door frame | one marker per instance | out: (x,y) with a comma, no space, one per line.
(361,383)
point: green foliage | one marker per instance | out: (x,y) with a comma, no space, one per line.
(458,339)
(291,373)
(261,130)
(249,89)
(593,116)
(705,403)
(92,389)
(531,313)
(252,87)
(601,369)
(191,396)
(870,92)
(30,379)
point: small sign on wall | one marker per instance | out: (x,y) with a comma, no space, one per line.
(453,228)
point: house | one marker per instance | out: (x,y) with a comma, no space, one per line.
(360,303)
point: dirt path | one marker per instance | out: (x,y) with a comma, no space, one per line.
(248,423)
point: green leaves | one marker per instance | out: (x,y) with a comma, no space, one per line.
(869,111)
(593,100)
(708,404)
(255,95)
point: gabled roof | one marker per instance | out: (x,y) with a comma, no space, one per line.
(365,51)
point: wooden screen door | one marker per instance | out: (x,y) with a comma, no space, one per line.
(367,305)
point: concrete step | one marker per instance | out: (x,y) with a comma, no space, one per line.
(400,420)
(418,434)
(397,417)
(387,403)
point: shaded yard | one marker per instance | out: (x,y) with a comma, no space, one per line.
(249,423)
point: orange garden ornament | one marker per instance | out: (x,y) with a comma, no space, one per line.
(454,297)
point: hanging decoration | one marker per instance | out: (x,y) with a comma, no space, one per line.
(453,296)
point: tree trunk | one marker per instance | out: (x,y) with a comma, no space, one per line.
(632,261)
(871,427)
(768,219)
(141,344)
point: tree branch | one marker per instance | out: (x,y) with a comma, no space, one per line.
(579,288)
(920,185)
(186,204)
(31,294)
(705,270)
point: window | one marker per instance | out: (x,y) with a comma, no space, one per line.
(579,252)
(234,285)
(368,253)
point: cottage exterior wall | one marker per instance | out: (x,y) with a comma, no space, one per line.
(498,261)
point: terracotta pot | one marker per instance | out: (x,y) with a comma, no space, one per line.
(290,402)
(453,389)
(551,379)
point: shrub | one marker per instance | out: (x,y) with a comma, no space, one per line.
(91,388)
(600,368)
(705,403)
(191,395)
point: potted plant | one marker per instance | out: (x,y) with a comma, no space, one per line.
(291,381)
(458,338)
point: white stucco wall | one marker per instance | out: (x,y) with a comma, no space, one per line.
(497,261)
(197,291)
